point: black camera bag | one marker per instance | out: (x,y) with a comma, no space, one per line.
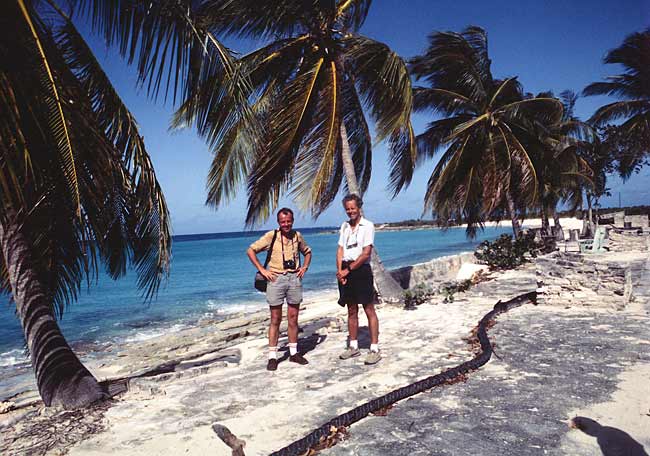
(260,280)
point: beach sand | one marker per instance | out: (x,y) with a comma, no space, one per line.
(552,363)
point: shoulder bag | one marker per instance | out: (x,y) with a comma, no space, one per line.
(260,280)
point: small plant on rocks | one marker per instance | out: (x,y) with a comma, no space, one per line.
(417,295)
(506,253)
(450,288)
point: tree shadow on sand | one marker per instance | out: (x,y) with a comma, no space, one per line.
(612,441)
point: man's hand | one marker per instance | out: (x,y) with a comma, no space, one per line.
(341,275)
(301,272)
(268,275)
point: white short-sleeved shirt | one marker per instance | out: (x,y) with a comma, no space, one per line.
(353,241)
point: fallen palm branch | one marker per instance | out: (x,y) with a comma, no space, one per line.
(316,438)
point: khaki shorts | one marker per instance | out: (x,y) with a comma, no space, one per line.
(286,286)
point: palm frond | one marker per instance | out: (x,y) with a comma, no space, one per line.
(544,111)
(163,38)
(441,101)
(121,129)
(288,123)
(266,19)
(57,119)
(352,13)
(383,81)
(435,136)
(620,109)
(453,63)
(403,158)
(315,162)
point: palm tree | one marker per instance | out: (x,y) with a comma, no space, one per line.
(562,171)
(78,186)
(633,87)
(485,164)
(308,87)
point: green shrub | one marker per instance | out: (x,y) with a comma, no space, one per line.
(504,253)
(450,288)
(417,295)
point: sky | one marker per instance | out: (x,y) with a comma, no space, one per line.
(548,44)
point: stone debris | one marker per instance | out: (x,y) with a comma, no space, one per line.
(569,279)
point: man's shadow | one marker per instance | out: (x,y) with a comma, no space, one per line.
(612,441)
(305,345)
(363,336)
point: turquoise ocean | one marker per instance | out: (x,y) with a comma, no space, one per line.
(211,276)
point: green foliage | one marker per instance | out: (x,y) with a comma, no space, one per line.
(417,295)
(450,288)
(484,131)
(506,253)
(422,293)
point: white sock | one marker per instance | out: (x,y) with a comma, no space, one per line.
(374,347)
(354,344)
(273,352)
(293,348)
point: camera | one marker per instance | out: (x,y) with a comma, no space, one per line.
(289,264)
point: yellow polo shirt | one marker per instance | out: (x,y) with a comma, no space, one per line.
(293,246)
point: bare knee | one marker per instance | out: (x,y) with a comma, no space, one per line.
(370,311)
(353,311)
(276,319)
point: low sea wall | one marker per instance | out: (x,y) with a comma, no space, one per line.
(432,272)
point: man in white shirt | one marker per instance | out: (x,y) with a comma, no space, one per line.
(354,275)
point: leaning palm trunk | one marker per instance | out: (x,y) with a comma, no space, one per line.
(61,378)
(559,232)
(386,286)
(546,225)
(516,227)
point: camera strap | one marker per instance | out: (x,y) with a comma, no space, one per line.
(268,254)
(292,248)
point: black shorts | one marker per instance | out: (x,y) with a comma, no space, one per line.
(359,288)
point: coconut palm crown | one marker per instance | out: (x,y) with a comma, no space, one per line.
(633,89)
(485,164)
(309,85)
(78,189)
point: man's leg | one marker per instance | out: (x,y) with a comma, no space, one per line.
(373,327)
(274,332)
(373,323)
(294,298)
(274,329)
(353,329)
(292,316)
(353,321)
(292,329)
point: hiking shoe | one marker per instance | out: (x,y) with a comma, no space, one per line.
(349,353)
(272,365)
(299,359)
(372,358)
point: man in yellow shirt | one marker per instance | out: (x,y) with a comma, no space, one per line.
(284,275)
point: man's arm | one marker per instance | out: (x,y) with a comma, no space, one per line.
(268,275)
(365,255)
(339,261)
(303,270)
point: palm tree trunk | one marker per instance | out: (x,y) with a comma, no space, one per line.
(516,227)
(559,232)
(387,288)
(546,226)
(61,378)
(590,216)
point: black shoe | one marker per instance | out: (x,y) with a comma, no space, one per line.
(272,365)
(298,358)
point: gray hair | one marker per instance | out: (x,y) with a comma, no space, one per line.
(353,197)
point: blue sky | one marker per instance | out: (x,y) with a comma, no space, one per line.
(550,45)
